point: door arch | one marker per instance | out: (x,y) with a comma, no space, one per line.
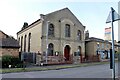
(67,53)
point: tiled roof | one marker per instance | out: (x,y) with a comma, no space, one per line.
(23,28)
(9,43)
(100,40)
(96,39)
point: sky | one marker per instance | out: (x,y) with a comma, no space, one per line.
(92,14)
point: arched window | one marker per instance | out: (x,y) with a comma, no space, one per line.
(21,43)
(50,49)
(79,35)
(78,53)
(67,30)
(29,41)
(51,30)
(25,43)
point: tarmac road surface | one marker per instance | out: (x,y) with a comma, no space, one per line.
(96,71)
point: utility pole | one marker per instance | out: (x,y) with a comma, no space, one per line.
(46,56)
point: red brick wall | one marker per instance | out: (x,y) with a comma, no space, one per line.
(9,51)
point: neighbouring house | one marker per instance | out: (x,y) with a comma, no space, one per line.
(58,36)
(8,45)
(96,47)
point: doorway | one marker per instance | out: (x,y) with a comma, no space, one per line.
(67,53)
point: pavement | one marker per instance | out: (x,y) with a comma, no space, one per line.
(59,66)
(53,67)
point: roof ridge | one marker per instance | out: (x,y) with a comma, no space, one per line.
(57,10)
(66,8)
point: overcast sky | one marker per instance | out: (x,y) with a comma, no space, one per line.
(92,14)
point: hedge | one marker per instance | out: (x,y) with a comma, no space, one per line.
(11,60)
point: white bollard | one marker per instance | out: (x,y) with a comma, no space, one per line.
(9,66)
(41,64)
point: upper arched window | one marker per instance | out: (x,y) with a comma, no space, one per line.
(50,49)
(79,36)
(51,30)
(67,30)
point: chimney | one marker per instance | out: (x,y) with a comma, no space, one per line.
(86,35)
(42,16)
(25,25)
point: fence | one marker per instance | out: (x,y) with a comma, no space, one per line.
(92,58)
(28,57)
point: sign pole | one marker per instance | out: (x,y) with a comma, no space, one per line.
(113,16)
(113,58)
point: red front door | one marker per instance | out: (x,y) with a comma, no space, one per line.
(67,53)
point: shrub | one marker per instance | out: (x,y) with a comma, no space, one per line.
(117,54)
(11,60)
(6,60)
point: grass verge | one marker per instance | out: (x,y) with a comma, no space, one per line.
(9,70)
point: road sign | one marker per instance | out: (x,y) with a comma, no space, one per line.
(113,16)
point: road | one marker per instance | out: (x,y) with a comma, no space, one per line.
(97,71)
